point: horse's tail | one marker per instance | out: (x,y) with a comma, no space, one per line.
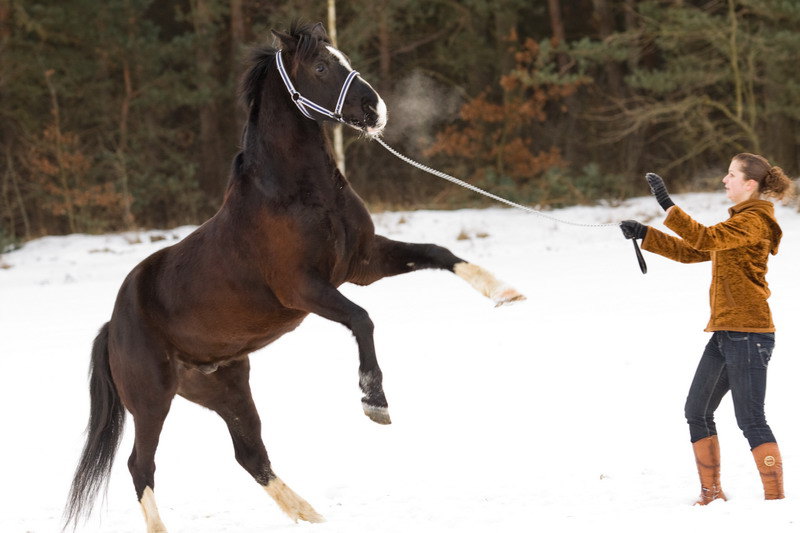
(103,434)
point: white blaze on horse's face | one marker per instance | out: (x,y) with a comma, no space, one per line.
(380,109)
(340,56)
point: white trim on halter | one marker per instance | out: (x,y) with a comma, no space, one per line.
(304,104)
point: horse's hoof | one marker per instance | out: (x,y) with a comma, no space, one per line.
(508,296)
(379,415)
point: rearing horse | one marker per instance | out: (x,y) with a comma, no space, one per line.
(289,232)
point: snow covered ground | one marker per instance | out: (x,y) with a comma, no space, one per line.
(561,413)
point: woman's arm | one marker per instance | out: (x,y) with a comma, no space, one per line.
(741,229)
(672,247)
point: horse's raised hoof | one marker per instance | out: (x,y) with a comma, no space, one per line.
(379,415)
(508,296)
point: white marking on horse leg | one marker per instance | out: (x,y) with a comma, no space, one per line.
(290,503)
(485,283)
(150,510)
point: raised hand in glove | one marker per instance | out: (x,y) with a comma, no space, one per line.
(632,229)
(658,188)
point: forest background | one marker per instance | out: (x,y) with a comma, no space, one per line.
(117,114)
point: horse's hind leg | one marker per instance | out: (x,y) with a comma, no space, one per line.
(227,392)
(390,258)
(148,422)
(147,387)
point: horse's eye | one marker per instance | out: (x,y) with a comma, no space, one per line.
(320,68)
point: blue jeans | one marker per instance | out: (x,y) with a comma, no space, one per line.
(737,362)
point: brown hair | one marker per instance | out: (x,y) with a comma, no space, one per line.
(772,182)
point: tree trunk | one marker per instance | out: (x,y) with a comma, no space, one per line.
(630,149)
(237,28)
(557,27)
(565,137)
(734,59)
(631,24)
(5,18)
(384,44)
(338,135)
(124,114)
(11,175)
(604,22)
(211,171)
(66,189)
(505,21)
(238,38)
(122,147)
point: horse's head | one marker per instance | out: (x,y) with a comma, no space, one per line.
(320,74)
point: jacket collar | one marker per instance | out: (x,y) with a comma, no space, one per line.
(747,204)
(767,211)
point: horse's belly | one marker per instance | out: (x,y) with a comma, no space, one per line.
(226,337)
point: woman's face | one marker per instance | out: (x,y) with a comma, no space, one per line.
(737,186)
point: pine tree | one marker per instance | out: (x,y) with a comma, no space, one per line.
(708,80)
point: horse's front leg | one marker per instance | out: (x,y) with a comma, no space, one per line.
(321,298)
(390,258)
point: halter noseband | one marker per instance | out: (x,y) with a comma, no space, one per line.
(304,104)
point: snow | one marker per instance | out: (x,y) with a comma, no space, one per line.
(560,413)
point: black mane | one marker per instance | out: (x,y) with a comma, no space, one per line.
(262,58)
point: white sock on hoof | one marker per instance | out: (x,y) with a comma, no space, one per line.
(485,283)
(150,510)
(290,503)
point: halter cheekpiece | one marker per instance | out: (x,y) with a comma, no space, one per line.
(304,104)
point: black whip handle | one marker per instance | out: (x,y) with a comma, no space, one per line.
(639,257)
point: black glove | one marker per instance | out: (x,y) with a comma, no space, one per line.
(659,190)
(632,229)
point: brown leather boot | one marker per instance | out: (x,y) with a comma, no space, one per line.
(706,455)
(770,466)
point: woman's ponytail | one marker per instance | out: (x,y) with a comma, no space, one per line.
(777,184)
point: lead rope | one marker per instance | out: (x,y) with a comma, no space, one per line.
(448,177)
(478,190)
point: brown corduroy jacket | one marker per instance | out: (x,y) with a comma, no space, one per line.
(738,250)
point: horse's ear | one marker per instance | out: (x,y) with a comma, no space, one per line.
(287,42)
(318,31)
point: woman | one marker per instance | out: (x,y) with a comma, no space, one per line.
(736,357)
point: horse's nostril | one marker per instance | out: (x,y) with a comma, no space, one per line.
(370,113)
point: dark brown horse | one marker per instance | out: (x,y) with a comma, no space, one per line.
(289,232)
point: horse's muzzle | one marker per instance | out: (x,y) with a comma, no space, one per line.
(375,116)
